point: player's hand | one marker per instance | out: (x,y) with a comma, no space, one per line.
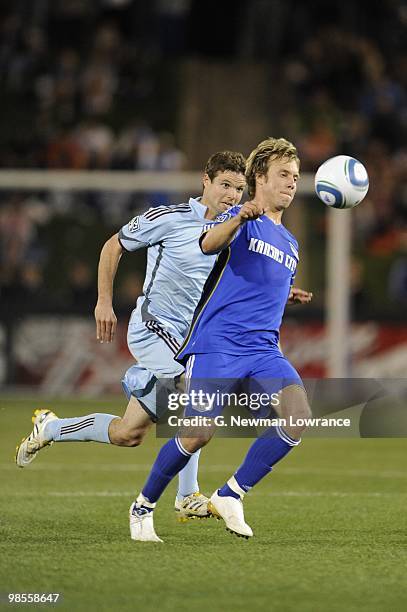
(299,296)
(106,322)
(250,211)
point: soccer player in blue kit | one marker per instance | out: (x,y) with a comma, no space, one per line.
(176,273)
(235,334)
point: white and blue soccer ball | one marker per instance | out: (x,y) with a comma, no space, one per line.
(341,182)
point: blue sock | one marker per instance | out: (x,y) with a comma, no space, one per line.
(226,491)
(265,452)
(93,427)
(170,460)
(188,477)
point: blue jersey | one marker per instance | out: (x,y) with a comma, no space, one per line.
(176,267)
(243,300)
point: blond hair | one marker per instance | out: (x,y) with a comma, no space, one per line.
(259,159)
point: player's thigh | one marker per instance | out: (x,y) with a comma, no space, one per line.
(210,379)
(273,375)
(149,379)
(154,348)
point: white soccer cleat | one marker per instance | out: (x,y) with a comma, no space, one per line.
(194,506)
(142,524)
(29,447)
(231,511)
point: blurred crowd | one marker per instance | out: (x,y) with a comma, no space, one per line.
(342,94)
(48,261)
(80,102)
(83,87)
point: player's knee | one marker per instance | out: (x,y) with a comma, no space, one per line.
(193,444)
(302,411)
(129,437)
(133,439)
(295,403)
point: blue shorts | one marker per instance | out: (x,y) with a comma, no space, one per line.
(153,345)
(211,378)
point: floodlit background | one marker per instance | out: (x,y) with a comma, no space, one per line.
(120,85)
(108,107)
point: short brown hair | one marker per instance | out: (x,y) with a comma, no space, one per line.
(259,159)
(224,161)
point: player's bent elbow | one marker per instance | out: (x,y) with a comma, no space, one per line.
(206,246)
(211,249)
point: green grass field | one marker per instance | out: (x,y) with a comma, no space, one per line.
(330,527)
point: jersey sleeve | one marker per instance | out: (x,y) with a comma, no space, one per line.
(232,212)
(294,249)
(221,218)
(145,230)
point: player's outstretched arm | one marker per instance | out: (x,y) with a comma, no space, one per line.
(106,320)
(220,236)
(299,296)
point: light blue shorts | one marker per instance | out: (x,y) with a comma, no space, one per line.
(154,347)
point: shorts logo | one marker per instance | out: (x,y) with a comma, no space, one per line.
(134,224)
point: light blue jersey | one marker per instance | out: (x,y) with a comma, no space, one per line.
(176,267)
(176,273)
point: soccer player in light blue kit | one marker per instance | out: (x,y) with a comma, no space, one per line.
(235,334)
(176,273)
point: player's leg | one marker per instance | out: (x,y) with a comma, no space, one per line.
(172,458)
(155,346)
(174,455)
(48,428)
(128,430)
(272,446)
(268,449)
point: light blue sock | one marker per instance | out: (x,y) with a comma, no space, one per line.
(90,428)
(188,477)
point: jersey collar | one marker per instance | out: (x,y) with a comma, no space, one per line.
(197,207)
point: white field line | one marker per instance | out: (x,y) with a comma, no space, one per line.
(130,494)
(137,467)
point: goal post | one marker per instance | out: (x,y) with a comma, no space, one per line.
(337,305)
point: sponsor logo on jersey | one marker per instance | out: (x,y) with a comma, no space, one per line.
(269,250)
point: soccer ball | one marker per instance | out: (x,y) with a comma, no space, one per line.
(341,182)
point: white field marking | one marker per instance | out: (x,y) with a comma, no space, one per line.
(80,467)
(330,494)
(136,467)
(130,494)
(356,473)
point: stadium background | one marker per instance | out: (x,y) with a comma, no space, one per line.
(122,85)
